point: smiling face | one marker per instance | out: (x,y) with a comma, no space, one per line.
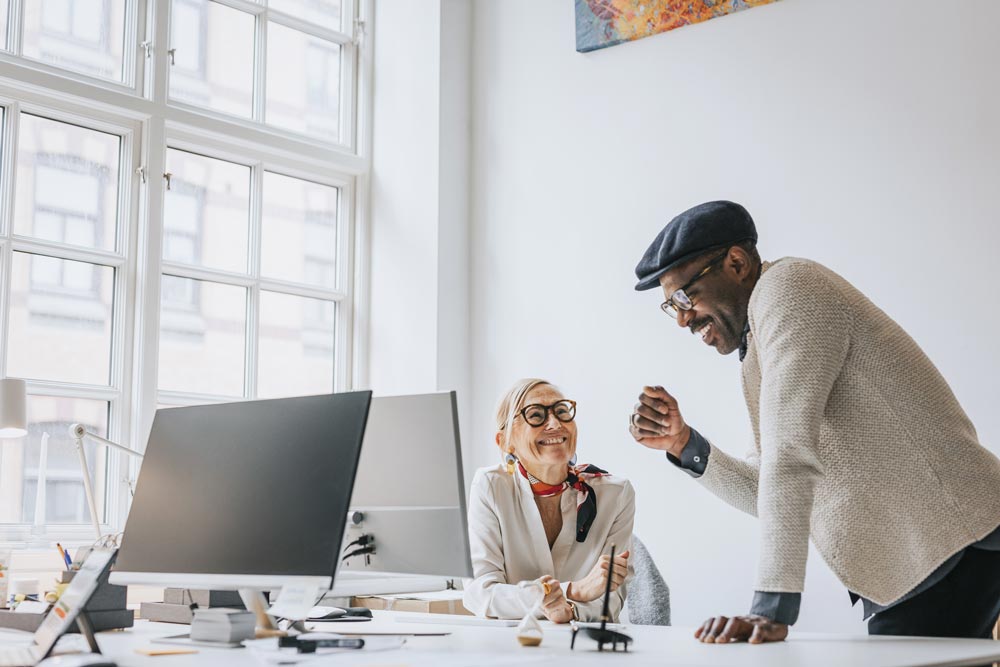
(551,444)
(718,298)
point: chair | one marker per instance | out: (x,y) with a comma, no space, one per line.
(648,598)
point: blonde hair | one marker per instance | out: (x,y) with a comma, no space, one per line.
(512,401)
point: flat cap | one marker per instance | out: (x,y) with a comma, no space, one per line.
(714,224)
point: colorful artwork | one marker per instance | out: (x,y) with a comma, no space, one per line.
(603,23)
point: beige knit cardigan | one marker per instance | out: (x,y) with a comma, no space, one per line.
(859,443)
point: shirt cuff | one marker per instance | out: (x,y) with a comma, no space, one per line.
(694,456)
(779,607)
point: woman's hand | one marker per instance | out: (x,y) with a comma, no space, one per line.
(554,604)
(592,586)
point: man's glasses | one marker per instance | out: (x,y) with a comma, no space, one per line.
(536,414)
(680,300)
(602,635)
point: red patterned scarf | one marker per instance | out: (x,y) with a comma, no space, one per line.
(586,499)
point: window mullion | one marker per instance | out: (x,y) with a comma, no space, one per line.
(149,251)
(67,252)
(6,258)
(335,36)
(134,57)
(15,26)
(260,69)
(253,313)
(158,64)
(203,273)
(8,169)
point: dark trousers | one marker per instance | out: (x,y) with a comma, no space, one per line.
(965,603)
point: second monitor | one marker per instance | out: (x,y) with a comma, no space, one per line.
(409,496)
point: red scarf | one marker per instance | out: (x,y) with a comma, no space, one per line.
(586,499)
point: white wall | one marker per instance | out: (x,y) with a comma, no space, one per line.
(419,327)
(861,134)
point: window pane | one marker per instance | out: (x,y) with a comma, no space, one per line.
(67,183)
(213,57)
(303,83)
(296,345)
(299,235)
(85,36)
(325,13)
(206,212)
(60,320)
(20,465)
(202,336)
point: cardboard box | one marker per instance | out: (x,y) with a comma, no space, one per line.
(435,604)
(204,598)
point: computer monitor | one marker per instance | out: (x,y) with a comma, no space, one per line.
(411,493)
(249,495)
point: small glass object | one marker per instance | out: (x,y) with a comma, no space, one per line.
(529,632)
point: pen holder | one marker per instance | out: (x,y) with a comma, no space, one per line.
(105,609)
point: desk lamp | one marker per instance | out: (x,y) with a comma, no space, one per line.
(78,432)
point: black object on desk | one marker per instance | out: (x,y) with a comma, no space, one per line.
(310,645)
(602,635)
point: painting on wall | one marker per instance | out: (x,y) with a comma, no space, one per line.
(603,23)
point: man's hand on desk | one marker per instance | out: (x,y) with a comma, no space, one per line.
(755,629)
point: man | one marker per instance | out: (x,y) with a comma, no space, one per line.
(859,442)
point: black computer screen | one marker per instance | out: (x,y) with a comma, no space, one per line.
(250,488)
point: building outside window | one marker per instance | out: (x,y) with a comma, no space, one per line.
(177,223)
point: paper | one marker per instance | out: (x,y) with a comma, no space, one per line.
(295,601)
(267,652)
(31,607)
(446,596)
(151,651)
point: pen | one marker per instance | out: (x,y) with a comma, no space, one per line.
(65,556)
(310,645)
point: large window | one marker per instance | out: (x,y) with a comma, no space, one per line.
(177,223)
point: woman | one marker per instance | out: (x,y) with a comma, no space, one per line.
(540,516)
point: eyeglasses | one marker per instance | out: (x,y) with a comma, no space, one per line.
(680,300)
(536,414)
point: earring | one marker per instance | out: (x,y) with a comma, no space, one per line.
(510,459)
(572,461)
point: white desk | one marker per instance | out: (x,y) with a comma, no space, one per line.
(489,646)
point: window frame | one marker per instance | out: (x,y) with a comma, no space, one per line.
(121,259)
(139,108)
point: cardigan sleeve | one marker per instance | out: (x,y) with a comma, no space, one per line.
(489,593)
(802,336)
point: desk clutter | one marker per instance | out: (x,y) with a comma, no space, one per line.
(222,625)
(179,604)
(28,603)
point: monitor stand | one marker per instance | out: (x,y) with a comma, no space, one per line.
(267,625)
(351,583)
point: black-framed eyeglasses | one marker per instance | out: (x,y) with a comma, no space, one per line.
(602,635)
(537,414)
(680,300)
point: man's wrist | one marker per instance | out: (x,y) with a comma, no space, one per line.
(693,457)
(779,607)
(682,441)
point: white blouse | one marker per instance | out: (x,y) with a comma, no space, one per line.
(508,541)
